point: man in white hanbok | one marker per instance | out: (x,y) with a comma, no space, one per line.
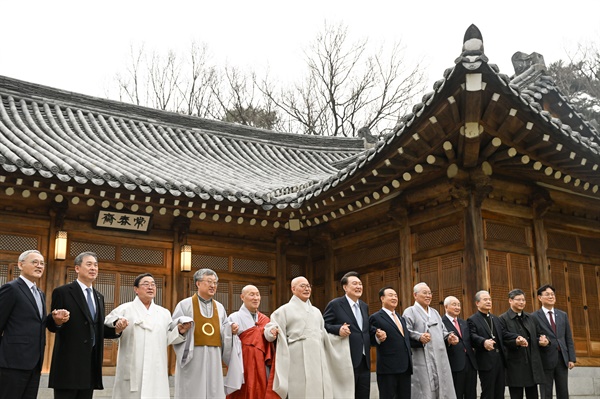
(309,363)
(199,372)
(432,376)
(142,365)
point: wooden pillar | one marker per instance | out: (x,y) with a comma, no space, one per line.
(330,280)
(470,196)
(281,286)
(181,228)
(399,213)
(541,204)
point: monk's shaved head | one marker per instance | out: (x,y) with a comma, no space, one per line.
(301,288)
(297,280)
(251,297)
(248,288)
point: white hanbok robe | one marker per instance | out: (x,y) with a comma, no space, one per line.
(309,362)
(432,376)
(142,364)
(199,372)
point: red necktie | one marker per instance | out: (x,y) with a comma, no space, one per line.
(457,327)
(552,323)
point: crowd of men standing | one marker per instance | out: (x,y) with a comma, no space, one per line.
(297,353)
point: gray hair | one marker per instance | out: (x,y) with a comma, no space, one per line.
(27,253)
(79,258)
(516,292)
(418,286)
(478,295)
(449,299)
(200,273)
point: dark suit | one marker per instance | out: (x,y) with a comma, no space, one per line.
(490,363)
(524,364)
(557,355)
(76,363)
(22,340)
(338,312)
(394,357)
(462,360)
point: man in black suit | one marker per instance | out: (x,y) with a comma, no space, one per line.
(486,336)
(461,356)
(22,330)
(348,316)
(394,356)
(76,368)
(558,357)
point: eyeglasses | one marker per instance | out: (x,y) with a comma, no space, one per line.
(550,294)
(211,283)
(146,285)
(426,293)
(305,286)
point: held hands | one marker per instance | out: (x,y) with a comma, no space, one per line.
(60,316)
(544,341)
(274,331)
(425,338)
(571,365)
(488,344)
(344,330)
(521,341)
(184,327)
(121,325)
(452,339)
(381,335)
(234,328)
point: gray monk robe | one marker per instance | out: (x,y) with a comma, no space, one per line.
(309,362)
(432,376)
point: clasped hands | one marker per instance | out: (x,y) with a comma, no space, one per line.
(60,316)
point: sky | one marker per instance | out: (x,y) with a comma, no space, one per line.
(81,45)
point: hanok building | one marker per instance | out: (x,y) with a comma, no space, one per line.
(490,183)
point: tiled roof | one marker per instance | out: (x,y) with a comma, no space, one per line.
(73,137)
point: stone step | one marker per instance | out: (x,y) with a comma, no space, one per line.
(584,383)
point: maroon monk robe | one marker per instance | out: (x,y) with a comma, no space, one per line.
(257,353)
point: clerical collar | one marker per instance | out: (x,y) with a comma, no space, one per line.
(204,301)
(519,314)
(484,314)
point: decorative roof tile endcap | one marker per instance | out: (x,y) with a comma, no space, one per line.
(522,62)
(472,51)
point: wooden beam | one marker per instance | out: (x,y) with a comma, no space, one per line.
(522,133)
(454,109)
(491,148)
(450,153)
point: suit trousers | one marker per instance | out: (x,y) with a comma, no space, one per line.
(362,380)
(19,384)
(394,386)
(530,392)
(493,380)
(465,382)
(559,376)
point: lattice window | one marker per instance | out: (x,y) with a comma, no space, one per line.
(215,263)
(294,269)
(104,252)
(499,278)
(105,283)
(561,241)
(507,272)
(3,273)
(142,255)
(505,232)
(590,273)
(222,294)
(369,254)
(589,245)
(439,237)
(250,266)
(13,243)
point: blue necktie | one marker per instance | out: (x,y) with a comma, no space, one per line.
(90,303)
(38,299)
(358,316)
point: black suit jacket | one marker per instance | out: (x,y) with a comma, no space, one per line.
(563,339)
(463,352)
(480,332)
(76,364)
(394,355)
(337,313)
(22,330)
